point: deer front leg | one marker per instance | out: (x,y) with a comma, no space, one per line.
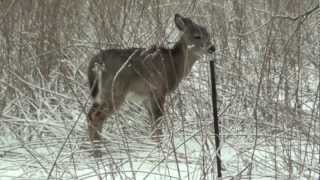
(155,107)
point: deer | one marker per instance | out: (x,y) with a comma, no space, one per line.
(148,73)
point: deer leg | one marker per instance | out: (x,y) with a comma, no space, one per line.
(99,112)
(155,108)
(97,115)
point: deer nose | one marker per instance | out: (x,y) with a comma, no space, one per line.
(211,49)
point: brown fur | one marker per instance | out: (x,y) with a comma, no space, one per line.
(148,73)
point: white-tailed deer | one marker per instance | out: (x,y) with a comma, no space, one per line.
(148,73)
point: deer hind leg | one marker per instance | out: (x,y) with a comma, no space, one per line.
(99,112)
(155,107)
(97,115)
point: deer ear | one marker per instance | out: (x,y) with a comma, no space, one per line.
(179,20)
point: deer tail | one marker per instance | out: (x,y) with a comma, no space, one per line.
(95,76)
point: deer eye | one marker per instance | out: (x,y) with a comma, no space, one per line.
(197,36)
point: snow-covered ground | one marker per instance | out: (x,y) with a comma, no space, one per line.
(138,157)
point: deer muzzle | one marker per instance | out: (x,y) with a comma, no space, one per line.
(211,49)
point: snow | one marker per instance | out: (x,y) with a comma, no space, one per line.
(146,160)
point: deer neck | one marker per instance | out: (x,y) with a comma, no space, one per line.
(185,59)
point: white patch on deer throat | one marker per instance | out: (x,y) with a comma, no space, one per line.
(199,54)
(191,46)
